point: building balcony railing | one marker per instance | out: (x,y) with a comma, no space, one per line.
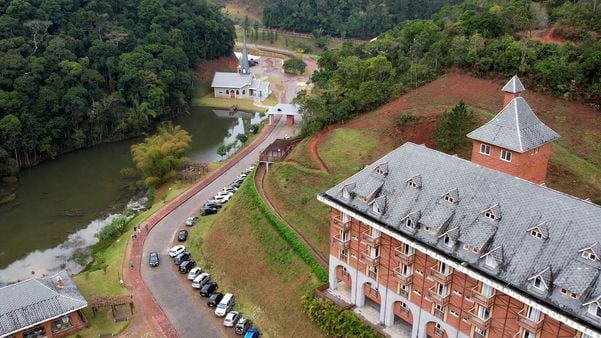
(482,299)
(436,298)
(343,258)
(529,324)
(402,256)
(367,238)
(401,277)
(372,274)
(341,243)
(478,335)
(440,277)
(438,314)
(340,224)
(475,320)
(404,293)
(368,259)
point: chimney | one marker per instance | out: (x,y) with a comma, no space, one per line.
(59,282)
(512,89)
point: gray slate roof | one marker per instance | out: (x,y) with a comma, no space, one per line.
(231,80)
(572,223)
(516,128)
(33,301)
(284,109)
(514,85)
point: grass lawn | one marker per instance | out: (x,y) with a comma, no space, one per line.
(248,258)
(243,104)
(293,185)
(96,282)
(287,41)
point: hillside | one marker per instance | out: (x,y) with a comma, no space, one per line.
(575,165)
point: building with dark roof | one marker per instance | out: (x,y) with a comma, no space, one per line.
(453,248)
(43,307)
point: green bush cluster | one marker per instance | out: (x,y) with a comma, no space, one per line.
(405,117)
(334,322)
(114,229)
(452,126)
(286,233)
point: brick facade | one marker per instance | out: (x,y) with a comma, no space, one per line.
(434,303)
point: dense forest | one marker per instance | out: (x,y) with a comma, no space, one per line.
(475,36)
(361,19)
(80,72)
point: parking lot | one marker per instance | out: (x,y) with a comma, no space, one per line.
(182,304)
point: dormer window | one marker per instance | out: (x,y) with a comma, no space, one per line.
(382,169)
(490,215)
(536,233)
(590,255)
(414,182)
(594,309)
(411,184)
(449,199)
(493,213)
(346,194)
(375,208)
(490,261)
(379,171)
(568,293)
(447,241)
(538,283)
(409,223)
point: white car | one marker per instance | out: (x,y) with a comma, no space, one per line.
(221,199)
(194,272)
(176,250)
(231,318)
(201,280)
(191,220)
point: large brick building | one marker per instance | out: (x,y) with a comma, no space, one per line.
(453,248)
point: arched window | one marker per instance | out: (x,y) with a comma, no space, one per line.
(237,92)
(243,92)
(227,91)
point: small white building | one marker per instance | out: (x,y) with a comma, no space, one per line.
(240,85)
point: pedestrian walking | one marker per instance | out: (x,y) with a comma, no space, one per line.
(139,229)
(135,237)
(146,226)
(131,264)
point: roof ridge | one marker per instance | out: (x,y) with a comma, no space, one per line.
(517,123)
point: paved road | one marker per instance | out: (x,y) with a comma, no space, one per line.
(182,304)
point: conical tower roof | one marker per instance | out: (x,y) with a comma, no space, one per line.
(243,64)
(514,85)
(516,128)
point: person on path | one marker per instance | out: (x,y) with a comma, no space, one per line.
(131,264)
(146,226)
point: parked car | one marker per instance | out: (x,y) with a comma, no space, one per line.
(207,211)
(242,326)
(213,205)
(221,199)
(201,280)
(186,266)
(184,256)
(182,235)
(230,190)
(194,272)
(231,318)
(207,289)
(226,304)
(214,299)
(253,332)
(191,220)
(176,250)
(153,258)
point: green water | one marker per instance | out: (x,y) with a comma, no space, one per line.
(62,197)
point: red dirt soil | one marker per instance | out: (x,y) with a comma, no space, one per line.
(545,36)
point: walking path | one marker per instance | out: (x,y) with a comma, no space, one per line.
(149,319)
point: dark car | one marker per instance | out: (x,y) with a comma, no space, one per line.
(182,235)
(186,266)
(184,256)
(242,325)
(207,211)
(208,289)
(212,205)
(253,332)
(153,259)
(214,299)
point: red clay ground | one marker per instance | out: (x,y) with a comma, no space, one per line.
(579,125)
(545,36)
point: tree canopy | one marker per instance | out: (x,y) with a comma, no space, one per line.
(75,73)
(157,158)
(475,36)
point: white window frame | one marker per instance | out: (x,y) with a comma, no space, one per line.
(533,314)
(447,241)
(449,198)
(594,310)
(484,149)
(483,312)
(541,285)
(490,261)
(411,184)
(487,290)
(588,255)
(505,155)
(537,234)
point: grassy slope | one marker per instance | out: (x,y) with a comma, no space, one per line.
(294,186)
(247,257)
(575,165)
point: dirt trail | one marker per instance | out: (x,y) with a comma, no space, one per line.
(312,149)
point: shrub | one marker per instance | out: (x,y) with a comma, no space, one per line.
(114,229)
(334,322)
(294,66)
(150,195)
(405,117)
(242,138)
